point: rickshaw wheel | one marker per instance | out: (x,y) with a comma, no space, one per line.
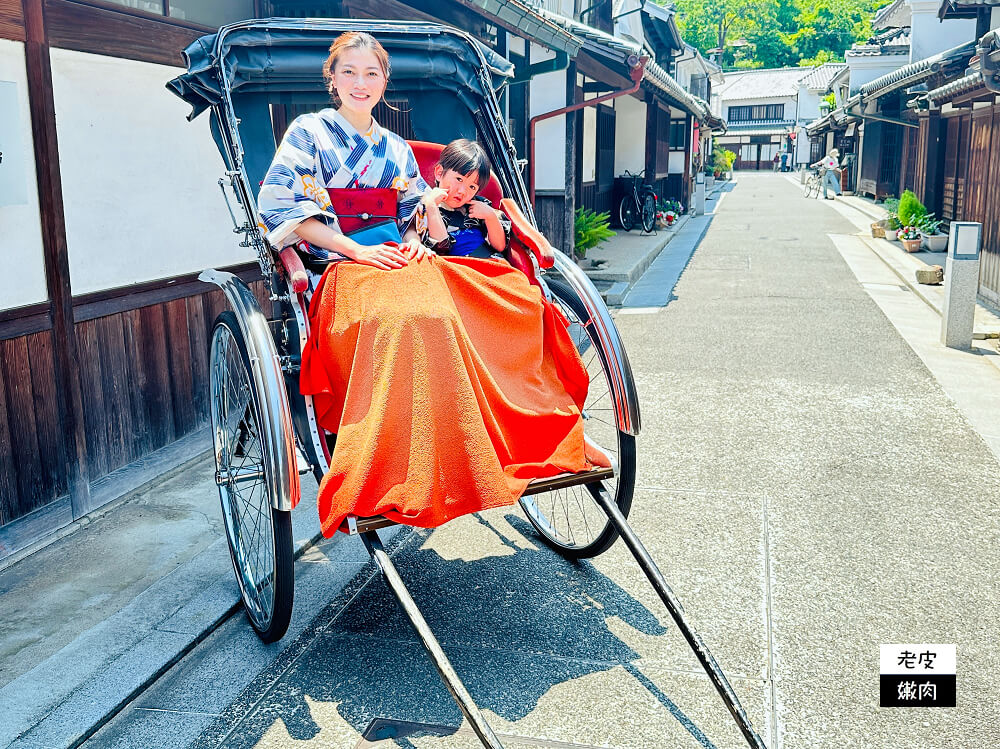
(259,536)
(570,520)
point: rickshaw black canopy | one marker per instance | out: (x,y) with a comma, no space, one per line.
(448,77)
(287,55)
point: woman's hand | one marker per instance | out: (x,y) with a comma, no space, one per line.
(384,256)
(414,249)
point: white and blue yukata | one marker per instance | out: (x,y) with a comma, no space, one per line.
(323,150)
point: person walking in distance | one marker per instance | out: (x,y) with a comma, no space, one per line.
(831,174)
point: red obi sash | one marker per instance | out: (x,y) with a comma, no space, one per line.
(367,215)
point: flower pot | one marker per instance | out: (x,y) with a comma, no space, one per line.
(890,234)
(911,245)
(878,229)
(936,242)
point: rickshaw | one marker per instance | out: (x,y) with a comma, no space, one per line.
(265,431)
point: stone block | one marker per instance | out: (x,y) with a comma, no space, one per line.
(930,274)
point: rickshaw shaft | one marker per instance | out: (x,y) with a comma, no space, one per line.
(659,583)
(451,679)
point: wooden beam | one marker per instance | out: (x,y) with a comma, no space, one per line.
(569,208)
(105,31)
(686,184)
(50,200)
(11,20)
(652,112)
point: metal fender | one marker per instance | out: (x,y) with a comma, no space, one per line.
(278,437)
(622,383)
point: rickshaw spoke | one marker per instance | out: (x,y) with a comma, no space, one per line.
(601,397)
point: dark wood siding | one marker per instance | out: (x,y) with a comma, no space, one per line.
(955,160)
(550,213)
(920,158)
(11,20)
(981,194)
(662,144)
(110,31)
(908,170)
(144,380)
(889,159)
(605,160)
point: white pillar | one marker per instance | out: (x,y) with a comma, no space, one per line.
(961,277)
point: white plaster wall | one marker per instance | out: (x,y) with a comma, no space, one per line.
(20,225)
(994,18)
(139,181)
(929,35)
(589,166)
(808,105)
(628,21)
(802,146)
(548,92)
(867,69)
(630,135)
(564,7)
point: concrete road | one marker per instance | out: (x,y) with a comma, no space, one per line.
(806,484)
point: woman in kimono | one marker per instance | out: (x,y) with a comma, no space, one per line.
(450,382)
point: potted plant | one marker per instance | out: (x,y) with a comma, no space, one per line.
(910,237)
(890,224)
(590,230)
(930,229)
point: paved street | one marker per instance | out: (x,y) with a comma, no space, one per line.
(805,483)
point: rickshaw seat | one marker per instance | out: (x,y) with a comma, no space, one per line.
(526,237)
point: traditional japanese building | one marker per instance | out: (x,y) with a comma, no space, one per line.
(766,109)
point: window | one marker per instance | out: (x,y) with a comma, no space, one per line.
(756,112)
(678,135)
(214,14)
(211,14)
(150,6)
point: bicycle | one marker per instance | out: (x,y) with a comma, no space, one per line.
(640,201)
(814,184)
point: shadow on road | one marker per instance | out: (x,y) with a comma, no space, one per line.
(516,621)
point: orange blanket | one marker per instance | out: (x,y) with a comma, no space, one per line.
(450,384)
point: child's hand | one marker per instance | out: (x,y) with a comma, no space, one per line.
(414,249)
(480,210)
(434,196)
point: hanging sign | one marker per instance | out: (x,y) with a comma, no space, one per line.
(13,160)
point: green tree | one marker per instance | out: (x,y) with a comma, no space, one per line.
(776,33)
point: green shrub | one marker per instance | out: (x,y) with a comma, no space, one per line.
(723,159)
(892,209)
(591,229)
(911,210)
(929,225)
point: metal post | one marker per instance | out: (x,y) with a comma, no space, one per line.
(961,277)
(461,695)
(718,679)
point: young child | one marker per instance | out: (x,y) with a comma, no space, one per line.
(460,222)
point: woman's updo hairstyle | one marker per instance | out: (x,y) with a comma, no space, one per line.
(352,40)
